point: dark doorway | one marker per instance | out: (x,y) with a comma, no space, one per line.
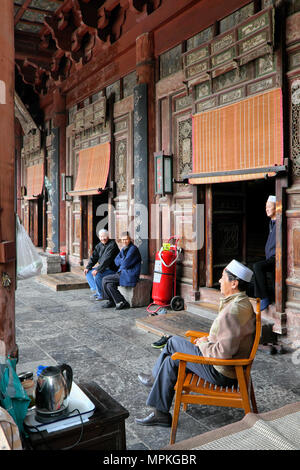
(239,223)
(257,223)
(94,215)
(99,215)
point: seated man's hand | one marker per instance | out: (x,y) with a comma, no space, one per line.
(94,272)
(203,339)
(85,271)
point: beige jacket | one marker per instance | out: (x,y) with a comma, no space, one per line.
(232,332)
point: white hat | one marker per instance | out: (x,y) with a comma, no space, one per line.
(102,232)
(272,199)
(239,270)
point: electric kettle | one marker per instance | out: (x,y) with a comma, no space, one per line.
(52,391)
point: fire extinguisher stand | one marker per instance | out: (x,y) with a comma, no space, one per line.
(164,280)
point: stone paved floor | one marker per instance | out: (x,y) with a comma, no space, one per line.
(106,346)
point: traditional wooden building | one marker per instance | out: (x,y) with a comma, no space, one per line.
(170,117)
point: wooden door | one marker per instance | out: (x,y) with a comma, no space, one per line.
(36,221)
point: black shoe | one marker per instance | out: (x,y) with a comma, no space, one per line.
(161,342)
(164,420)
(122,305)
(146,379)
(107,304)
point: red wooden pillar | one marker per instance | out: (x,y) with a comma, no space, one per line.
(7,181)
(59,121)
(145,70)
(18,148)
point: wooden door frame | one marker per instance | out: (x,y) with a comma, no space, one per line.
(281,183)
(83,228)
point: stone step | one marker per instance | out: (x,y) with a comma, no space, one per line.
(173,323)
(205,310)
(210,295)
(198,316)
(63,281)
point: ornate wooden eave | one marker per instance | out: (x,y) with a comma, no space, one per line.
(24,117)
(65,34)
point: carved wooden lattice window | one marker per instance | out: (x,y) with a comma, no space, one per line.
(185,148)
(200,38)
(170,62)
(129,82)
(114,88)
(236,17)
(296,127)
(121,165)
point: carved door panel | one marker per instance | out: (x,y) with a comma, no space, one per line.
(120,219)
(31,221)
(76,229)
(183,204)
(35,227)
(38,231)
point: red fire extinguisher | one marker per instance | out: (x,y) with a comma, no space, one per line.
(63,261)
(164,280)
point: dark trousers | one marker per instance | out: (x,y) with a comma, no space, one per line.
(261,268)
(110,289)
(165,373)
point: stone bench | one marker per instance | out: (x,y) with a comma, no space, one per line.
(140,295)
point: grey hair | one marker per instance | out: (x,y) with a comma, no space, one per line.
(102,232)
(242,286)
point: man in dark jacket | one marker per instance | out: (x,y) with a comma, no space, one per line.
(103,254)
(268,265)
(128,262)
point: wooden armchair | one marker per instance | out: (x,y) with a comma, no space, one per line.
(192,389)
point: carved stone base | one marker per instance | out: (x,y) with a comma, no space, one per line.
(51,263)
(138,296)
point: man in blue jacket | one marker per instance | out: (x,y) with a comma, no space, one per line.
(128,262)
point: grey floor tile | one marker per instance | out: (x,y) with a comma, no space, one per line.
(105,346)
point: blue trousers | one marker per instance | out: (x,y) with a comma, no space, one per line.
(165,373)
(95,282)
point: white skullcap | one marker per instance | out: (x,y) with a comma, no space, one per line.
(272,199)
(102,232)
(239,270)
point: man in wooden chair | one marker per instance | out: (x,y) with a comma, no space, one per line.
(231,336)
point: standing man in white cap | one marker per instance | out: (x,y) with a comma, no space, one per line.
(268,265)
(103,255)
(231,336)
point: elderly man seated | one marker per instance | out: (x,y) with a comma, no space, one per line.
(103,254)
(128,264)
(231,336)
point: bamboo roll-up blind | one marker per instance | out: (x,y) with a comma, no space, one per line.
(93,169)
(244,135)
